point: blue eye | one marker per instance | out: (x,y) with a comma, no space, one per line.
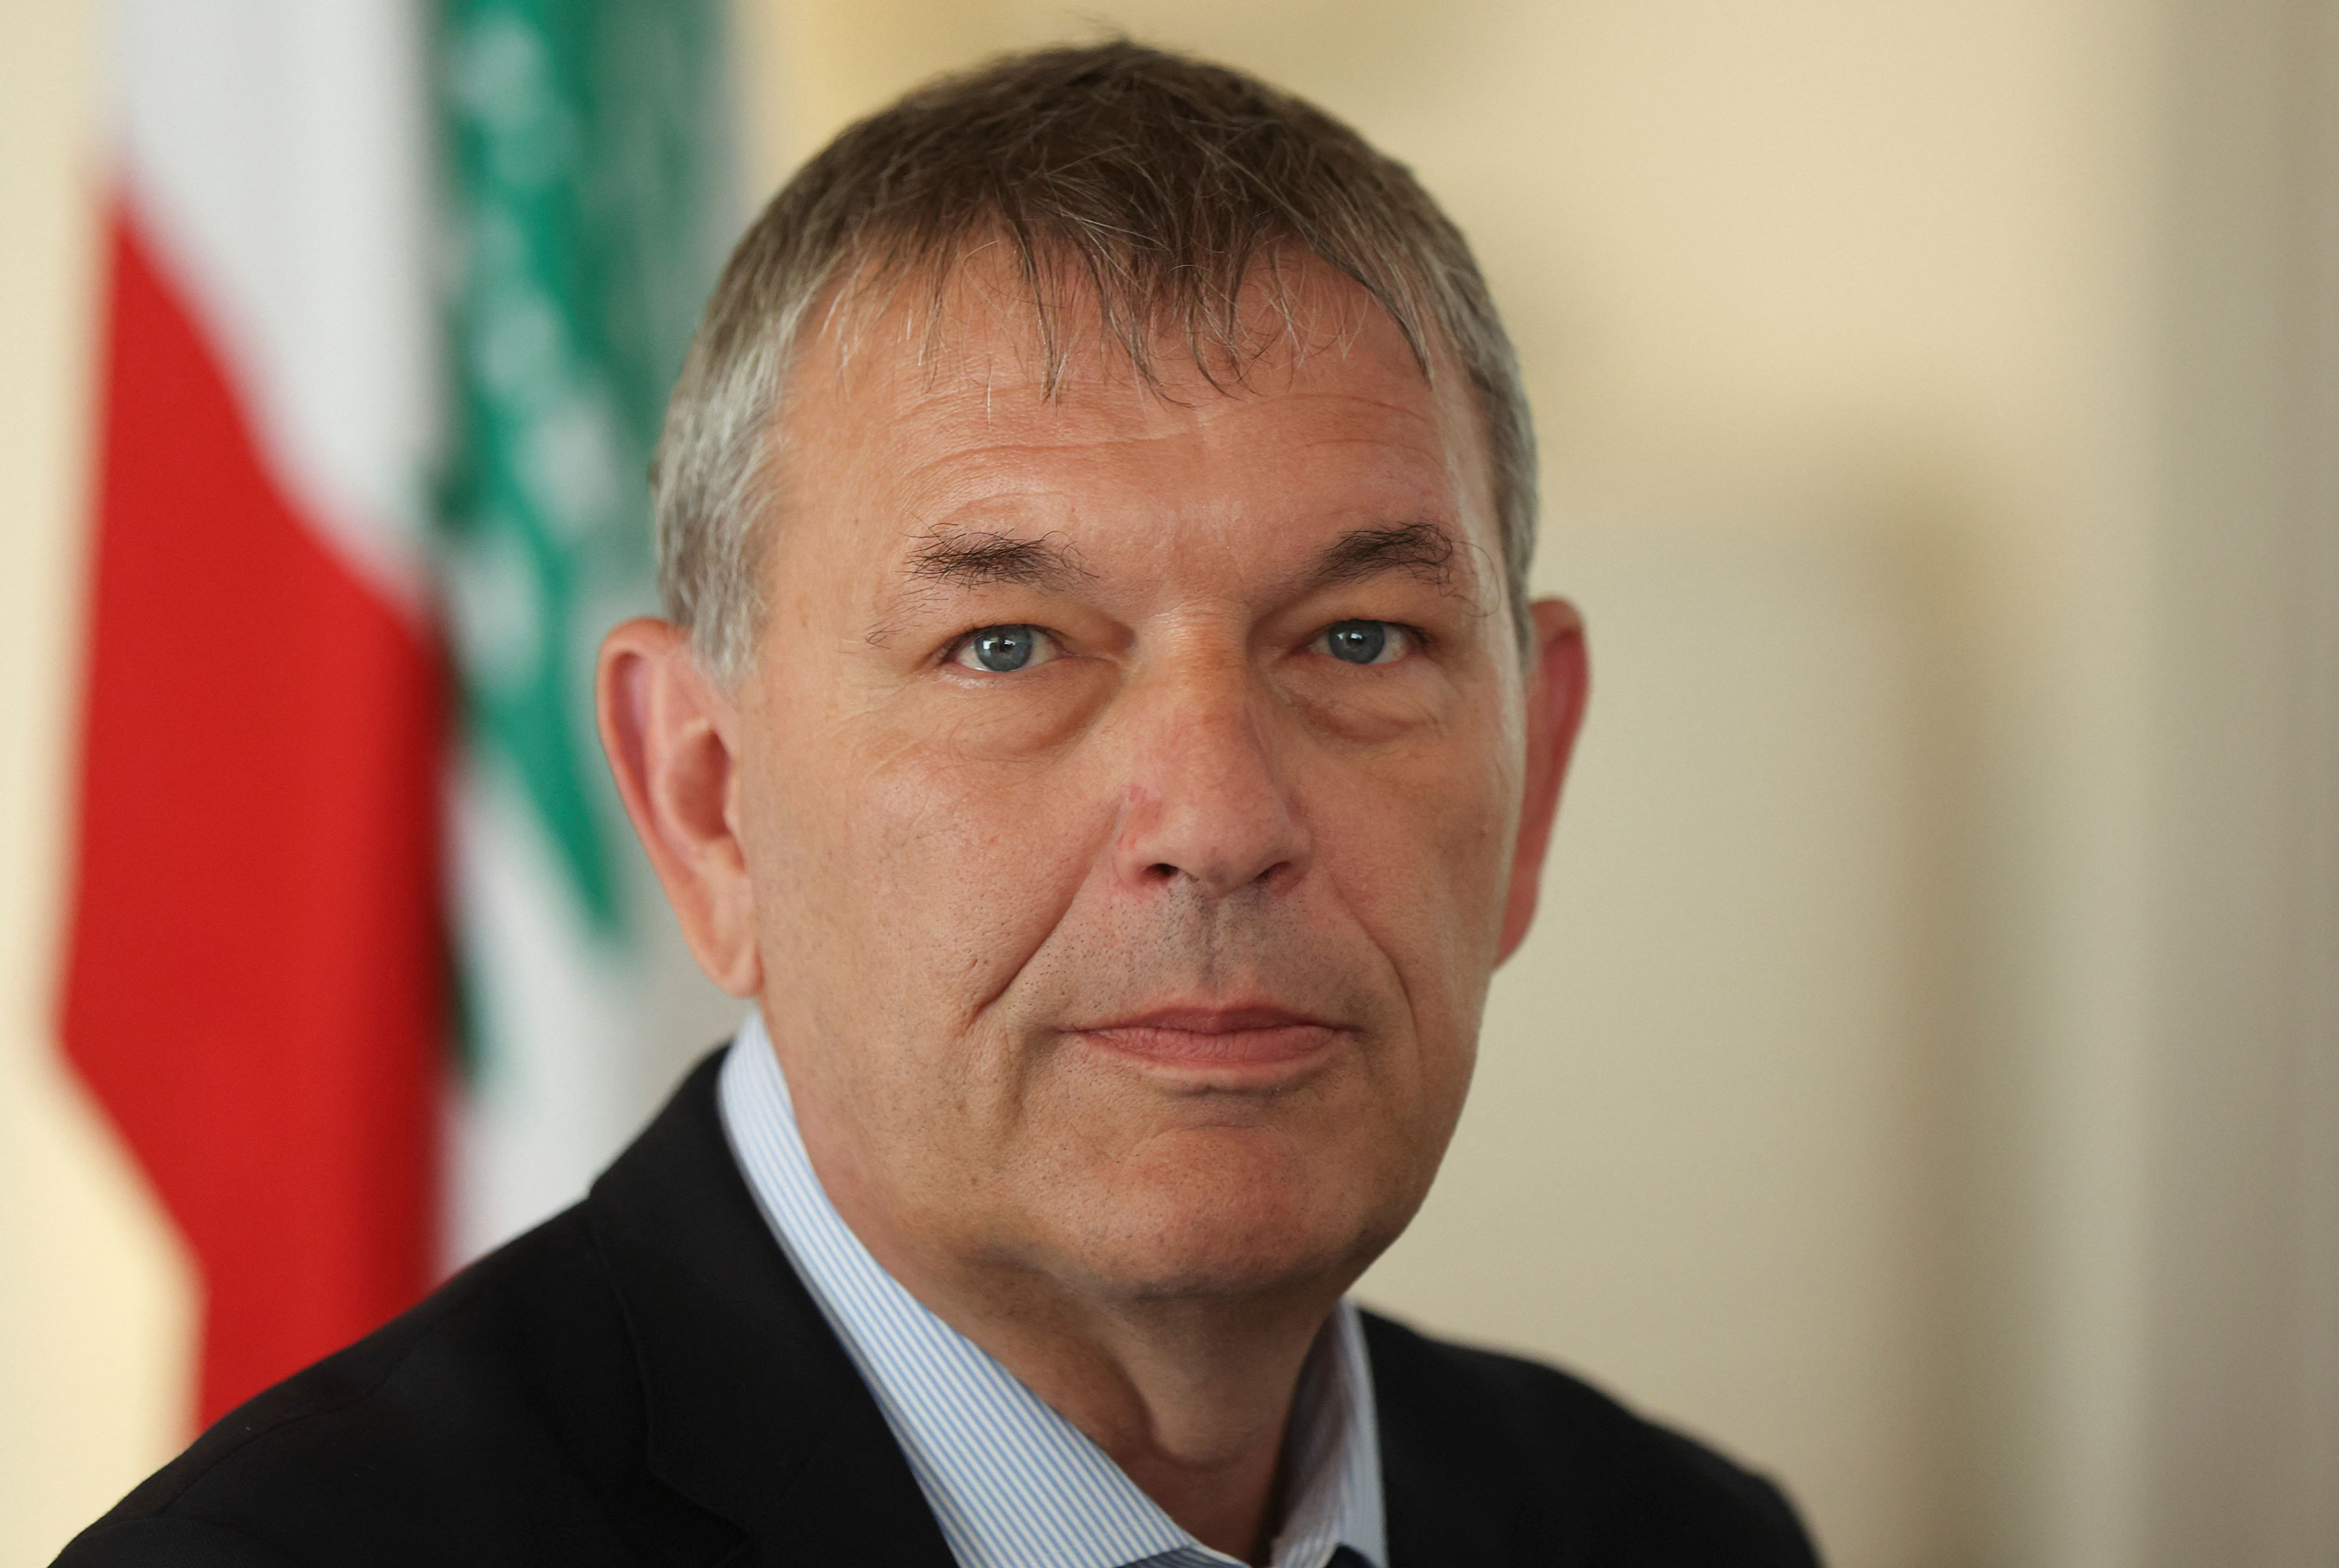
(1003,650)
(1364,642)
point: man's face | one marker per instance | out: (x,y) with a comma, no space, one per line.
(1128,789)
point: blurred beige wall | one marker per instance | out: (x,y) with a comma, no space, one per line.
(95,1321)
(1921,1080)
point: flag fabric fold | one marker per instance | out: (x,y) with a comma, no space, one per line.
(394,293)
(254,987)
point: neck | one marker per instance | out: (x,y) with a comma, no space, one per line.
(1192,1399)
(1189,1394)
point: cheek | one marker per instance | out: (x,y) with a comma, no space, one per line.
(899,891)
(1419,843)
(955,865)
(1417,854)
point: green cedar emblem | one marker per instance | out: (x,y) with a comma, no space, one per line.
(584,145)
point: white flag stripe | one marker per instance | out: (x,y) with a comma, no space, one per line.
(277,154)
(557,1018)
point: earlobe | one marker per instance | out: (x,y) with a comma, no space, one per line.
(1558,687)
(668,731)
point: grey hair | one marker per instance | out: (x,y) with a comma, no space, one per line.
(1157,186)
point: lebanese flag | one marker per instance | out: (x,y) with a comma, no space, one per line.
(255,988)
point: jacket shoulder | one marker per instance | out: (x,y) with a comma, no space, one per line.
(498,1420)
(1559,1470)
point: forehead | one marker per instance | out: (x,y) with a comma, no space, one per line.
(931,406)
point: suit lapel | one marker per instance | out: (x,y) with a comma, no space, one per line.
(755,1411)
(1452,1473)
(1436,1518)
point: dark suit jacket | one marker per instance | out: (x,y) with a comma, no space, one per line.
(645,1380)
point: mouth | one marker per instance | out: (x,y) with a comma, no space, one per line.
(1244,1046)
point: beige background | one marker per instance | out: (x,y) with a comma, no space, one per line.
(1924,1079)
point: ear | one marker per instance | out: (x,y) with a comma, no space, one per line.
(669,733)
(1557,688)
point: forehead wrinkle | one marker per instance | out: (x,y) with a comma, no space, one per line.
(996,424)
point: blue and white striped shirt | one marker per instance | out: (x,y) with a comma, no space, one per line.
(1013,1482)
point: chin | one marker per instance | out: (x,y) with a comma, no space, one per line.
(1230,1227)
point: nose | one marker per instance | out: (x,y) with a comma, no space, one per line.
(1207,801)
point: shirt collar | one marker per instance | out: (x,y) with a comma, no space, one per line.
(1013,1483)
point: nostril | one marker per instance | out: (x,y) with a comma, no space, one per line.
(1162,868)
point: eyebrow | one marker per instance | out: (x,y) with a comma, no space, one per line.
(1424,550)
(983,559)
(967,560)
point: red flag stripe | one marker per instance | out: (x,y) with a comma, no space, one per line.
(255,985)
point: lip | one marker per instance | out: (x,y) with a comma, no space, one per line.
(1251,1041)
